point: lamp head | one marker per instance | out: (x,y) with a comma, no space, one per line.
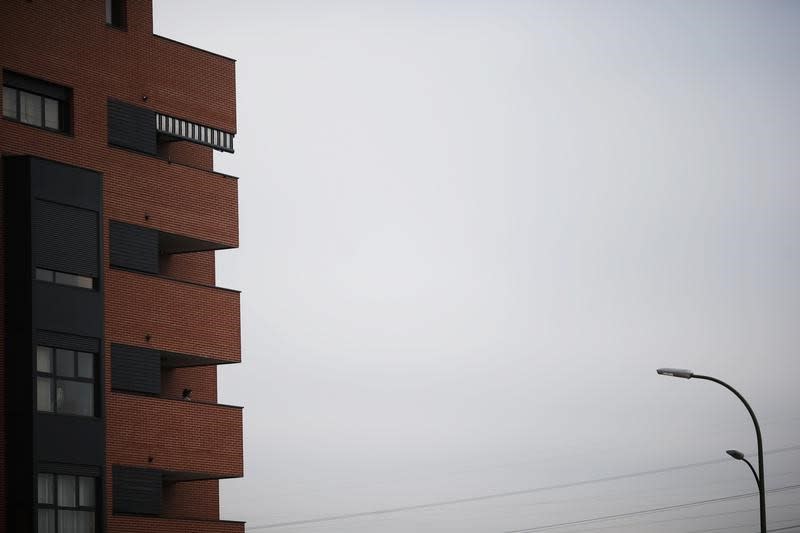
(736,454)
(675,372)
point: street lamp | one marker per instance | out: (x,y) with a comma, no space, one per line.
(688,374)
(739,456)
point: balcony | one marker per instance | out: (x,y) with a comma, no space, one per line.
(186,440)
(172,316)
(180,200)
(178,91)
(137,524)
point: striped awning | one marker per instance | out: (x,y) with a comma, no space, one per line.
(183,129)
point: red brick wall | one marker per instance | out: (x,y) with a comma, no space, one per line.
(140,524)
(188,153)
(201,379)
(99,62)
(180,500)
(183,436)
(173,198)
(196,267)
(178,317)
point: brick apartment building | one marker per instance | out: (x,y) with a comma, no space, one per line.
(112,325)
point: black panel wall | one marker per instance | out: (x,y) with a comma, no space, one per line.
(133,247)
(52,220)
(132,127)
(137,490)
(65,238)
(70,309)
(77,440)
(19,443)
(135,369)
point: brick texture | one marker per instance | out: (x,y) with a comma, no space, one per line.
(129,524)
(174,316)
(195,267)
(202,380)
(176,192)
(179,436)
(180,500)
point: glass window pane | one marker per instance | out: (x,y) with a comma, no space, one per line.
(66,279)
(85,365)
(42,274)
(45,491)
(67,521)
(66,491)
(86,492)
(30,108)
(44,359)
(74,397)
(47,521)
(84,521)
(65,363)
(44,399)
(52,117)
(9,102)
(84,282)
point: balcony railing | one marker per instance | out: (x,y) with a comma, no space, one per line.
(186,440)
(137,524)
(172,316)
(191,202)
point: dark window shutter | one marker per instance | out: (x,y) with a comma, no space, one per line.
(65,238)
(135,369)
(132,127)
(134,247)
(137,490)
(33,85)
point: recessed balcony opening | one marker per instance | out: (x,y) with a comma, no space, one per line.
(165,375)
(165,254)
(144,130)
(165,494)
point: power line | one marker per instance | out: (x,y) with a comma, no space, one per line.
(648,511)
(683,518)
(498,495)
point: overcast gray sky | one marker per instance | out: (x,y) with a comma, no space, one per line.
(472,230)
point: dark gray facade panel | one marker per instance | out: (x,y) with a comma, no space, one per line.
(70,439)
(50,314)
(66,184)
(136,490)
(135,369)
(70,469)
(132,127)
(70,342)
(67,309)
(133,247)
(65,238)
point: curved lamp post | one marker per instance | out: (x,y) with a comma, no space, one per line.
(688,374)
(739,456)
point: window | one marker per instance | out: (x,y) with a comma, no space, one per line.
(115,13)
(66,504)
(35,102)
(65,381)
(64,278)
